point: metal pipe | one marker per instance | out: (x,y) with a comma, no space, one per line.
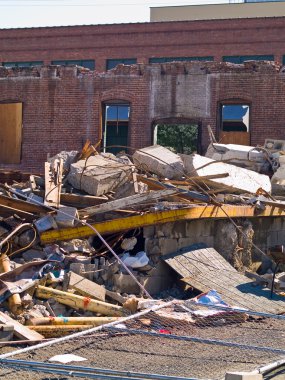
(24,363)
(13,232)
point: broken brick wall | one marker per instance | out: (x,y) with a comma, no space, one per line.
(235,242)
(61,105)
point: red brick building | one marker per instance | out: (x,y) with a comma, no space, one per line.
(102,46)
(45,109)
(60,107)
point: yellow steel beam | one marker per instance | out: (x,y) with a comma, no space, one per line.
(131,222)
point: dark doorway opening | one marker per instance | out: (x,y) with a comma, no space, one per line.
(179,138)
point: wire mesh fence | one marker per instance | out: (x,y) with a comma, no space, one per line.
(179,339)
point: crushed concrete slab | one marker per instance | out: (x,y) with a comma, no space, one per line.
(99,174)
(240,180)
(159,160)
(240,155)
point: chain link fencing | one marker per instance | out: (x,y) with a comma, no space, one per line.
(178,339)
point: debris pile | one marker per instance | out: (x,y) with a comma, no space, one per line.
(73,253)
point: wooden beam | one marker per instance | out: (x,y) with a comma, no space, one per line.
(79,302)
(127,202)
(22,206)
(59,321)
(21,331)
(131,222)
(77,200)
(58,331)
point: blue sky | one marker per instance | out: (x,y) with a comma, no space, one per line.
(31,13)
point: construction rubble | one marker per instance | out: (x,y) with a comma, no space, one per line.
(97,236)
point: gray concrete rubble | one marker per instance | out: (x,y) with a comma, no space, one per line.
(67,157)
(99,174)
(145,209)
(159,160)
(239,180)
(249,157)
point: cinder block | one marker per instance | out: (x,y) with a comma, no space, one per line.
(168,245)
(243,376)
(148,232)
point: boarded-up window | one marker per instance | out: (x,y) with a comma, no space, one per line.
(10,133)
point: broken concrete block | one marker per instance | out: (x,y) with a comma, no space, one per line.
(65,217)
(128,189)
(45,223)
(34,254)
(240,180)
(240,155)
(278,177)
(76,245)
(99,175)
(86,287)
(67,157)
(160,161)
(124,283)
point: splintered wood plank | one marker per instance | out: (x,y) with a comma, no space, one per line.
(205,269)
(20,330)
(126,202)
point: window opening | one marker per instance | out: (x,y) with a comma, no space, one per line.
(243,58)
(179,138)
(112,63)
(22,64)
(88,63)
(175,59)
(235,118)
(116,127)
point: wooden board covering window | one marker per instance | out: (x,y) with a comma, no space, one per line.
(240,138)
(10,133)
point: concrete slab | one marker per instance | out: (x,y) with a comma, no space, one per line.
(239,181)
(159,160)
(99,175)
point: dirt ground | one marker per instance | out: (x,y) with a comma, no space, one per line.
(166,356)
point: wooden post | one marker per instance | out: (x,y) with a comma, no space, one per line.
(14,301)
(79,302)
(59,321)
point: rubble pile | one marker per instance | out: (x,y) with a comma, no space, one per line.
(56,265)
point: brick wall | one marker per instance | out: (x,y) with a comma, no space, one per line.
(61,105)
(217,38)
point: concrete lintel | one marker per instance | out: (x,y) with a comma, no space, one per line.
(243,376)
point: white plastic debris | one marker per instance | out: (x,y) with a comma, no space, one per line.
(137,261)
(67,358)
